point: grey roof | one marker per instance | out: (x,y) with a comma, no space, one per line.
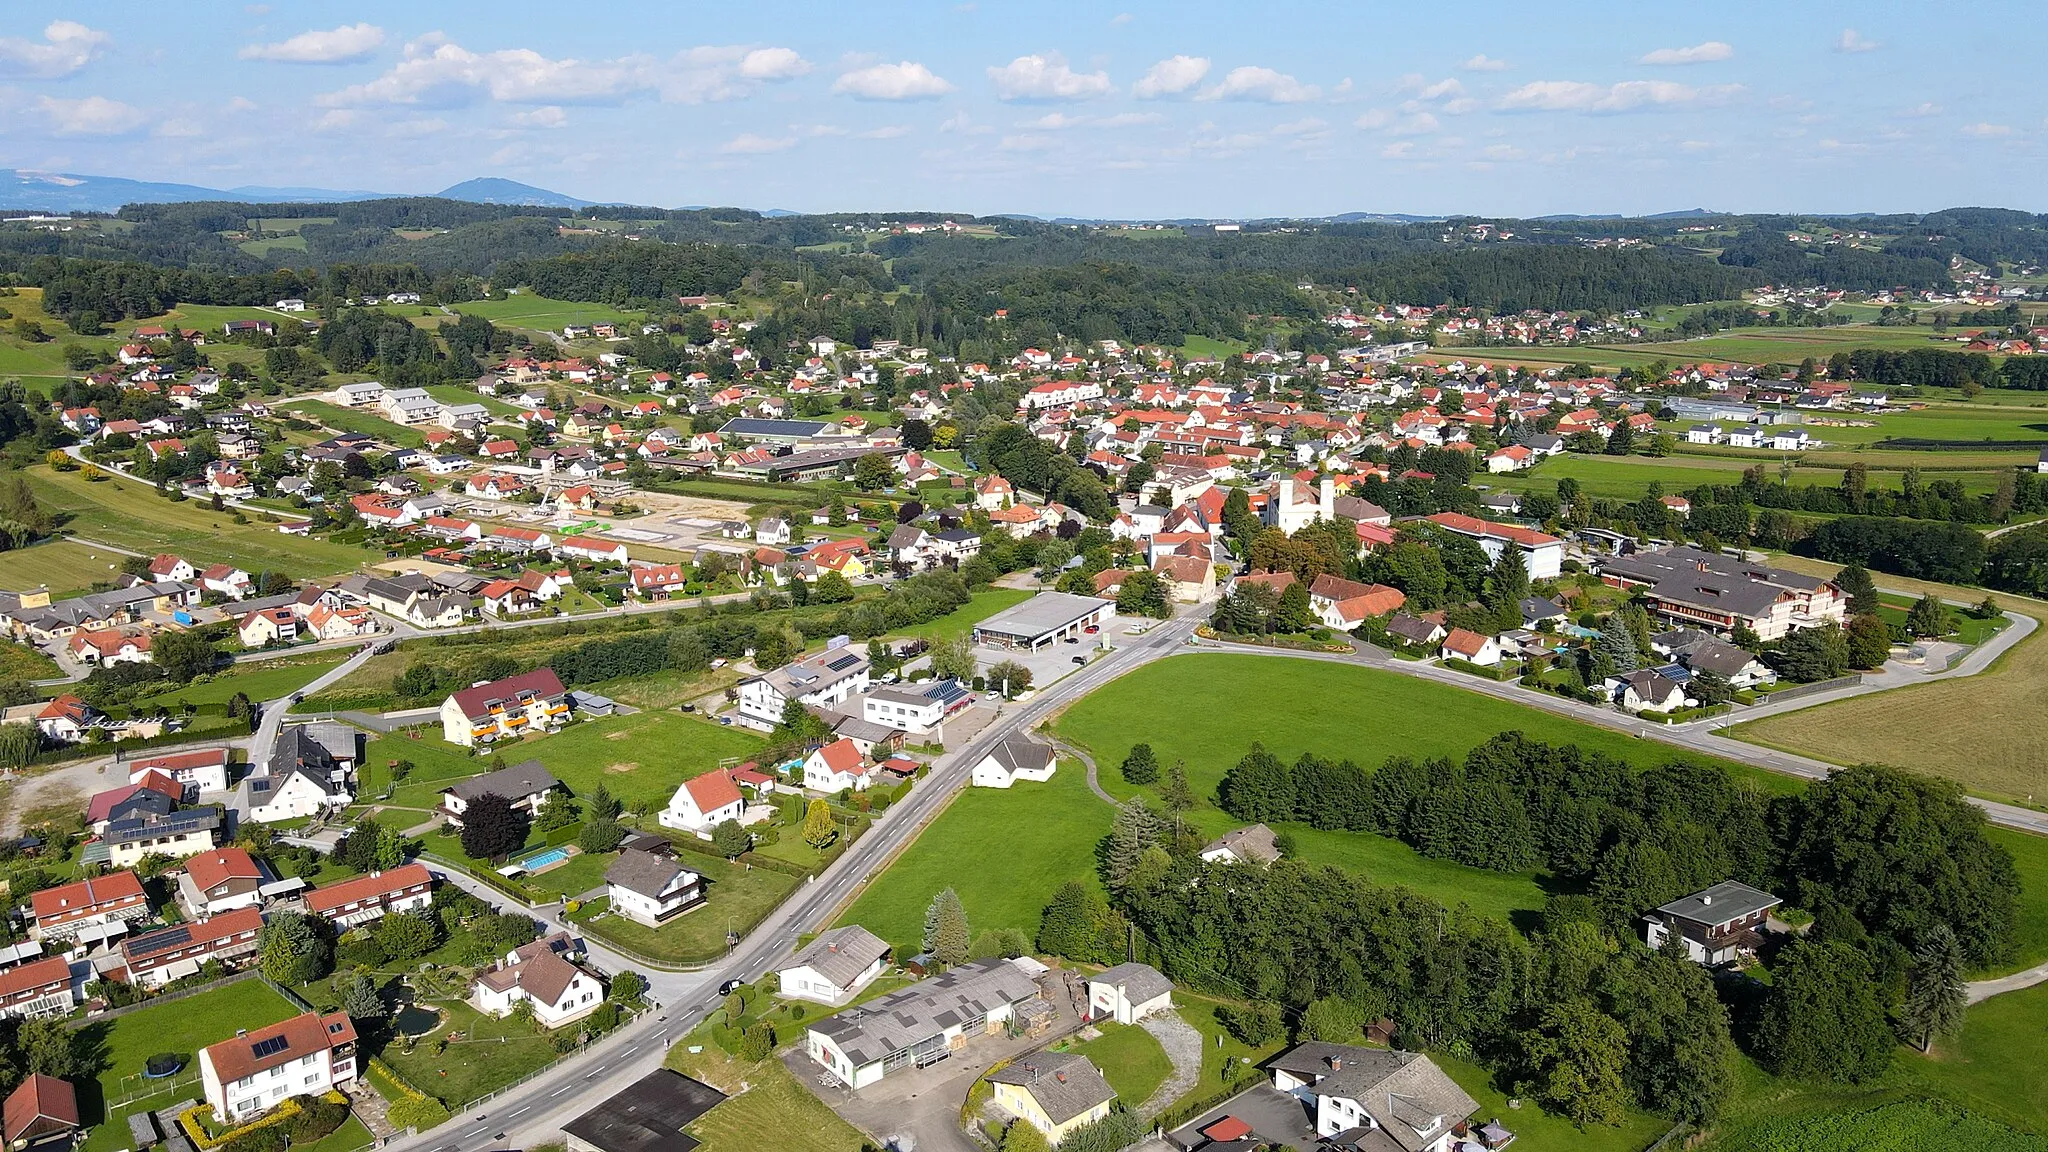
(816,673)
(1720,658)
(1253,844)
(316,746)
(649,1116)
(1018,752)
(1140,982)
(1728,900)
(1043,613)
(923,1011)
(1405,1093)
(867,731)
(1651,686)
(1698,578)
(520,780)
(1065,1084)
(1413,629)
(905,536)
(840,955)
(174,824)
(643,872)
(1539,608)
(772,429)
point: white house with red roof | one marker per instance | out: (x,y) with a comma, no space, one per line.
(220,880)
(1542,554)
(701,803)
(111,646)
(227,580)
(509,707)
(205,770)
(307,1055)
(62,912)
(361,899)
(657,581)
(592,549)
(836,767)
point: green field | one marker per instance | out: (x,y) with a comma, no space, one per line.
(1003,850)
(126,1042)
(762,1098)
(130,514)
(360,421)
(260,680)
(1785,345)
(1515,896)
(1538,1131)
(1130,1059)
(639,758)
(63,567)
(735,898)
(539,312)
(985,604)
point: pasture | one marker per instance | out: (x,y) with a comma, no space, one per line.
(539,313)
(64,567)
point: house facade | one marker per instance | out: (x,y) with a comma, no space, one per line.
(256,1071)
(531,701)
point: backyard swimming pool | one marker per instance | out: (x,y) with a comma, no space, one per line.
(540,860)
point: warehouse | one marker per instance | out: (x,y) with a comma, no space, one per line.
(1046,618)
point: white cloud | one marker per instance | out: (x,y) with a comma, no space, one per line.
(1448,86)
(1502,152)
(1026,142)
(337,119)
(1306,126)
(438,72)
(749,144)
(1402,151)
(545,116)
(1046,78)
(906,80)
(1702,53)
(1373,119)
(1263,85)
(773,64)
(1461,106)
(1629,95)
(1172,76)
(959,123)
(241,104)
(1484,63)
(178,128)
(90,116)
(885,132)
(1852,41)
(66,47)
(1986,130)
(1129,119)
(1120,19)
(1928,109)
(413,129)
(1414,124)
(342,45)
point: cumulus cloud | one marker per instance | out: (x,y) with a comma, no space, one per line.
(89,116)
(1852,41)
(1627,96)
(66,47)
(1373,119)
(1261,85)
(1414,124)
(1046,78)
(906,80)
(1987,130)
(1929,109)
(1484,63)
(546,116)
(1702,53)
(749,144)
(773,64)
(348,43)
(1424,90)
(1173,76)
(438,72)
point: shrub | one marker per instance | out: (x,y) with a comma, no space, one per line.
(417,1113)
(317,1117)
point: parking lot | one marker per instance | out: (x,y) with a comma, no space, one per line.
(1053,661)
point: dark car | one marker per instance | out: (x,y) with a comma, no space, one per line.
(729,987)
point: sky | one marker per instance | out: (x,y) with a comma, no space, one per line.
(1132,109)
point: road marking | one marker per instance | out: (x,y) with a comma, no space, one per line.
(551,1096)
(517,1111)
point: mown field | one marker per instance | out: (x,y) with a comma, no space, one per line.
(129,514)
(259,680)
(359,421)
(540,312)
(64,567)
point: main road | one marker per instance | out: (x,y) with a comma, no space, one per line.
(534,1111)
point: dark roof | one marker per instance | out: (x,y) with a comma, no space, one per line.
(926,1009)
(1405,1093)
(840,955)
(1065,1084)
(643,872)
(1728,900)
(1140,982)
(1018,752)
(520,780)
(173,824)
(755,428)
(648,1116)
(1718,657)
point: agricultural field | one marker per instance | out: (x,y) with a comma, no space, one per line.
(984,604)
(259,680)
(64,567)
(1987,732)
(360,421)
(539,313)
(1783,345)
(129,514)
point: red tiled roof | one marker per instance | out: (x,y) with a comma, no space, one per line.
(70,899)
(715,790)
(42,1104)
(221,865)
(328,897)
(475,701)
(303,1035)
(841,755)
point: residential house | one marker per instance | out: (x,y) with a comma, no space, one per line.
(836,767)
(545,975)
(176,834)
(651,888)
(1471,647)
(918,709)
(1344,604)
(154,959)
(154,795)
(267,626)
(221,880)
(1188,579)
(362,899)
(513,706)
(43,987)
(1054,1092)
(526,785)
(914,1026)
(1357,1091)
(1254,844)
(826,680)
(656,582)
(308,1055)
(1015,757)
(592,549)
(62,912)
(1128,992)
(1717,925)
(41,1112)
(1414,631)
(702,803)
(111,646)
(834,967)
(1647,690)
(1542,554)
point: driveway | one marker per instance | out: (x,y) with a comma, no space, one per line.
(923,1104)
(1274,1116)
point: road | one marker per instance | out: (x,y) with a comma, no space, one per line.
(534,1112)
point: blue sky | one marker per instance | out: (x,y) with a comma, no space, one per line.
(1130,109)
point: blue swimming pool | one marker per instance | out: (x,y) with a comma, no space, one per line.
(540,860)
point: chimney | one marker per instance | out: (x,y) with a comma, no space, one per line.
(1336,1063)
(1707,898)
(1060,1076)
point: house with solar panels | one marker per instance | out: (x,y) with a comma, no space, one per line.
(256,1071)
(918,709)
(826,680)
(919,1026)
(153,959)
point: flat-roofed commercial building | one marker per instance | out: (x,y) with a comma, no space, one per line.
(1046,618)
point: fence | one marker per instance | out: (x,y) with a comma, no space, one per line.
(1798,690)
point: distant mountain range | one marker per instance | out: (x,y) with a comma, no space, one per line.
(68,192)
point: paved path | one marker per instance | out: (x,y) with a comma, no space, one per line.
(1183,1047)
(1088,762)
(1985,989)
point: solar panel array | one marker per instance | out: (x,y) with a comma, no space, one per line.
(842,663)
(269,1046)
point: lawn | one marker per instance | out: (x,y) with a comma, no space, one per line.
(130,514)
(762,1098)
(1225,1058)
(1130,1059)
(985,604)
(639,758)
(1969,629)
(124,1043)
(1003,851)
(1207,709)
(457,394)
(260,680)
(491,1054)
(1538,1131)
(356,420)
(1984,1068)
(539,312)
(1516,896)
(1988,732)
(735,898)
(580,873)
(64,567)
